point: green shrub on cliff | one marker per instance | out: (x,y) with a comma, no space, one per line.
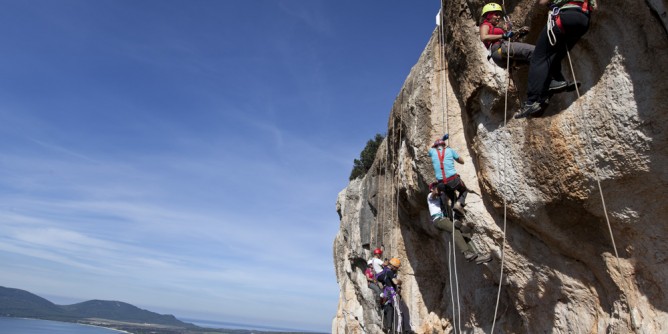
(368,154)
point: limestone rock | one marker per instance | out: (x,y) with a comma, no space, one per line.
(560,270)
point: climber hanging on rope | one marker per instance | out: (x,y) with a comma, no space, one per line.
(495,36)
(567,22)
(450,185)
(443,223)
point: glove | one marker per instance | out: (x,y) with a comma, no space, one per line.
(445,137)
(507,35)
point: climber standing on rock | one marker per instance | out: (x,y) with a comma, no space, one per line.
(495,37)
(450,185)
(443,223)
(567,23)
(376,265)
(375,261)
(391,289)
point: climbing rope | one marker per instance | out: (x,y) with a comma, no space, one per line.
(380,228)
(397,178)
(381,198)
(445,121)
(598,178)
(444,92)
(505,192)
(452,289)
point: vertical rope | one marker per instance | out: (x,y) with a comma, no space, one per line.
(593,165)
(505,185)
(445,122)
(451,250)
(386,216)
(381,211)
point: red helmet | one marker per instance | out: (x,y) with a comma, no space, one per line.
(439,143)
(378,251)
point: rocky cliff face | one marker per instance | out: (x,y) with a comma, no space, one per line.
(560,271)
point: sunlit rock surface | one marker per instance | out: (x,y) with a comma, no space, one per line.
(561,274)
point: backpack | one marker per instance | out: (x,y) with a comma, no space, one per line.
(369,273)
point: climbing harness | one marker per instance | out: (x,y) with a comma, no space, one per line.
(553,19)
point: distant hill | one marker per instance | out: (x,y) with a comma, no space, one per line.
(120,311)
(20,303)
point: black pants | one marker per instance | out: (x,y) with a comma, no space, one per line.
(546,59)
(388,317)
(447,191)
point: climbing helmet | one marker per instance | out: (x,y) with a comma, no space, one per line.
(395,262)
(491,7)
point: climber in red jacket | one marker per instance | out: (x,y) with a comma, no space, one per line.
(496,38)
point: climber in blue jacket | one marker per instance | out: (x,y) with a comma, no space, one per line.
(443,159)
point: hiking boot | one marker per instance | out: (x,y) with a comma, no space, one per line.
(572,85)
(544,101)
(556,85)
(467,227)
(470,256)
(480,259)
(459,208)
(528,109)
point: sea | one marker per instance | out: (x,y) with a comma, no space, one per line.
(234,325)
(35,326)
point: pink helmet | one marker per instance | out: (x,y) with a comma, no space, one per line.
(438,143)
(378,251)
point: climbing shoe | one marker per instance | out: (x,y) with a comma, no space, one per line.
(480,258)
(562,86)
(556,85)
(459,208)
(470,256)
(571,86)
(528,109)
(467,227)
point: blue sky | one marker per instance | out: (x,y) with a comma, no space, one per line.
(185,156)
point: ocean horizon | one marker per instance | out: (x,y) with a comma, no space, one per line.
(236,325)
(9,325)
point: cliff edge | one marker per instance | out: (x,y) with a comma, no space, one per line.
(560,271)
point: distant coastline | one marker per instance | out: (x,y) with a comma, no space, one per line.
(45,324)
(118,316)
(240,326)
